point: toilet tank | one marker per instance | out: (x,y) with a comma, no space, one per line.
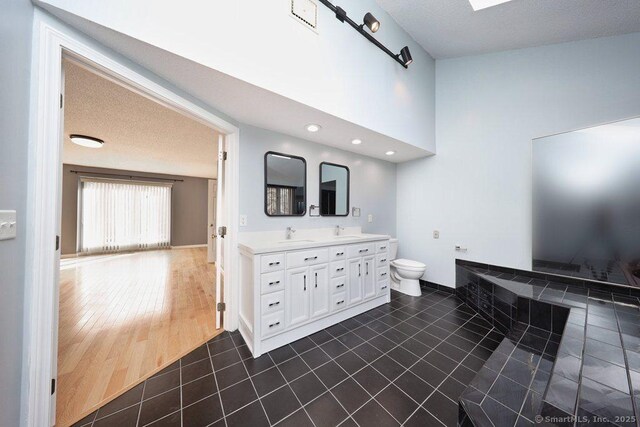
(393,249)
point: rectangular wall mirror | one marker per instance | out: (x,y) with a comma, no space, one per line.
(334,189)
(285,190)
(586,203)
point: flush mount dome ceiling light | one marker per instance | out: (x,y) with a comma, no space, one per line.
(356,141)
(373,24)
(86,141)
(390,153)
(313,128)
(483,4)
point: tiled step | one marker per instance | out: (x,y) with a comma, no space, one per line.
(508,389)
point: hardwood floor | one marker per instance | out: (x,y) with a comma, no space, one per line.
(124,317)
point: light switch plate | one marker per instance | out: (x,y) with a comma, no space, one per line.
(7,225)
(355,212)
(243,220)
(370,218)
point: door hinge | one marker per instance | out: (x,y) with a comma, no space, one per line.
(53,385)
(221,306)
(222,231)
(61,101)
(57,242)
(223,155)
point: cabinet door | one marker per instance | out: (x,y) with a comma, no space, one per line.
(369,276)
(297,295)
(355,280)
(319,275)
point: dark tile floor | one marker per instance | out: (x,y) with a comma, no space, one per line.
(404,363)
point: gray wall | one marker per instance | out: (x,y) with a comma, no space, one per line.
(15,51)
(188,207)
(373,183)
(476,191)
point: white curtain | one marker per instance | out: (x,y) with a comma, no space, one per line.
(122,216)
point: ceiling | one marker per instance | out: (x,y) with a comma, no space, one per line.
(266,110)
(139,134)
(450,28)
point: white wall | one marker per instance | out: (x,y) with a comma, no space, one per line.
(336,71)
(15,65)
(476,190)
(373,184)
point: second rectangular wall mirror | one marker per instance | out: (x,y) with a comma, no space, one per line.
(334,189)
(285,179)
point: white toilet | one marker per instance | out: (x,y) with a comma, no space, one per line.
(405,273)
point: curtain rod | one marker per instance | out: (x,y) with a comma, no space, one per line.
(126,176)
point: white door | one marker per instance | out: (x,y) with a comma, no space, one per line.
(355,280)
(297,295)
(211,218)
(220,223)
(369,277)
(319,290)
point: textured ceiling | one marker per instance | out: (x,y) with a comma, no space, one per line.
(139,134)
(450,28)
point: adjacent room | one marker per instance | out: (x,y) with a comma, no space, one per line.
(137,268)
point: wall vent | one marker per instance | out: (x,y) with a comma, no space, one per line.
(305,12)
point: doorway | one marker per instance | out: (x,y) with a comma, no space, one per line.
(51,46)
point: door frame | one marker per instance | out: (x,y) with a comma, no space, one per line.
(53,40)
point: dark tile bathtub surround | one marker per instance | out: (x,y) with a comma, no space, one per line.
(581,342)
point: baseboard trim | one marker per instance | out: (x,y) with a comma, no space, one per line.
(67,256)
(442,288)
(189,246)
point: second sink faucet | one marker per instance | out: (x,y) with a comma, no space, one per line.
(290,231)
(338,229)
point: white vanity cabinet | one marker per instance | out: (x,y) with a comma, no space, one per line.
(288,294)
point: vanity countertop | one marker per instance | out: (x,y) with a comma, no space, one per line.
(256,245)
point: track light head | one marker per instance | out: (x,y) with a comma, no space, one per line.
(341,14)
(371,22)
(406,56)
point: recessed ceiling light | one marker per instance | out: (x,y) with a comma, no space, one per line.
(356,141)
(313,127)
(86,141)
(390,153)
(483,4)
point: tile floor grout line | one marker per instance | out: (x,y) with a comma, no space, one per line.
(215,377)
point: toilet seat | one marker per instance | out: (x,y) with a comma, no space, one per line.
(408,264)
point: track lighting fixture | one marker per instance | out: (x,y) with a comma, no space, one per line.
(371,22)
(405,55)
(404,58)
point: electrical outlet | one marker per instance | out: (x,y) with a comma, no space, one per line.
(7,225)
(243,220)
(370,218)
(436,234)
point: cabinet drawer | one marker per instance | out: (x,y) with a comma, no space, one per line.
(271,282)
(311,257)
(383,273)
(338,285)
(382,260)
(338,268)
(273,262)
(383,286)
(272,323)
(338,301)
(272,302)
(359,250)
(337,253)
(382,246)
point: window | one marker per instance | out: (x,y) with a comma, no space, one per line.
(121,216)
(280,200)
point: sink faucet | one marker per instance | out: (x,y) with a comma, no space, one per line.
(290,231)
(338,229)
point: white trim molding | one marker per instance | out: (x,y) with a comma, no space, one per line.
(189,246)
(51,41)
